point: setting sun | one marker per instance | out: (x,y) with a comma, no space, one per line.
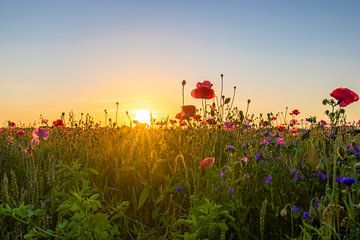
(142,115)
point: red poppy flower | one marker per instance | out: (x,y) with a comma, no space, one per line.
(358,123)
(210,121)
(293,122)
(295,112)
(203,90)
(187,111)
(281,128)
(323,122)
(273,118)
(20,132)
(182,123)
(11,124)
(58,123)
(196,117)
(294,131)
(344,96)
(207,162)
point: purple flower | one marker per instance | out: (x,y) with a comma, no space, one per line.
(230,148)
(332,136)
(268,179)
(222,174)
(245,160)
(293,171)
(179,188)
(349,148)
(295,208)
(306,132)
(230,190)
(306,215)
(321,176)
(258,156)
(266,133)
(345,180)
(297,178)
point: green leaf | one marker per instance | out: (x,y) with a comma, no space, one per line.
(144,195)
(38,213)
(92,171)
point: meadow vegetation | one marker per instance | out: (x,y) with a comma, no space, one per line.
(216,172)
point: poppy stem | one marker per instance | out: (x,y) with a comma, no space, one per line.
(105,118)
(183,95)
(222,85)
(117,111)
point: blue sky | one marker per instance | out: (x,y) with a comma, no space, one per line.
(58,56)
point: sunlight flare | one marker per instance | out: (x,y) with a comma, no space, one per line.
(142,115)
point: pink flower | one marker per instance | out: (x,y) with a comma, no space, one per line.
(207,162)
(280,141)
(229,126)
(26,150)
(344,96)
(38,133)
(20,132)
(265,141)
(245,160)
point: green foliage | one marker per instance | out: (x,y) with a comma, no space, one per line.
(206,221)
(28,217)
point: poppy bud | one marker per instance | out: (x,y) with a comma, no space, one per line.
(248,101)
(325,101)
(183,82)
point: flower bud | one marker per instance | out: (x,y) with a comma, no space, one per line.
(283,212)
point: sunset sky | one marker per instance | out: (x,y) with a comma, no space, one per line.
(84,56)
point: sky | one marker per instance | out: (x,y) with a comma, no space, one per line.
(84,56)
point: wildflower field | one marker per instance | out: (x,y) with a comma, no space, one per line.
(212,172)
